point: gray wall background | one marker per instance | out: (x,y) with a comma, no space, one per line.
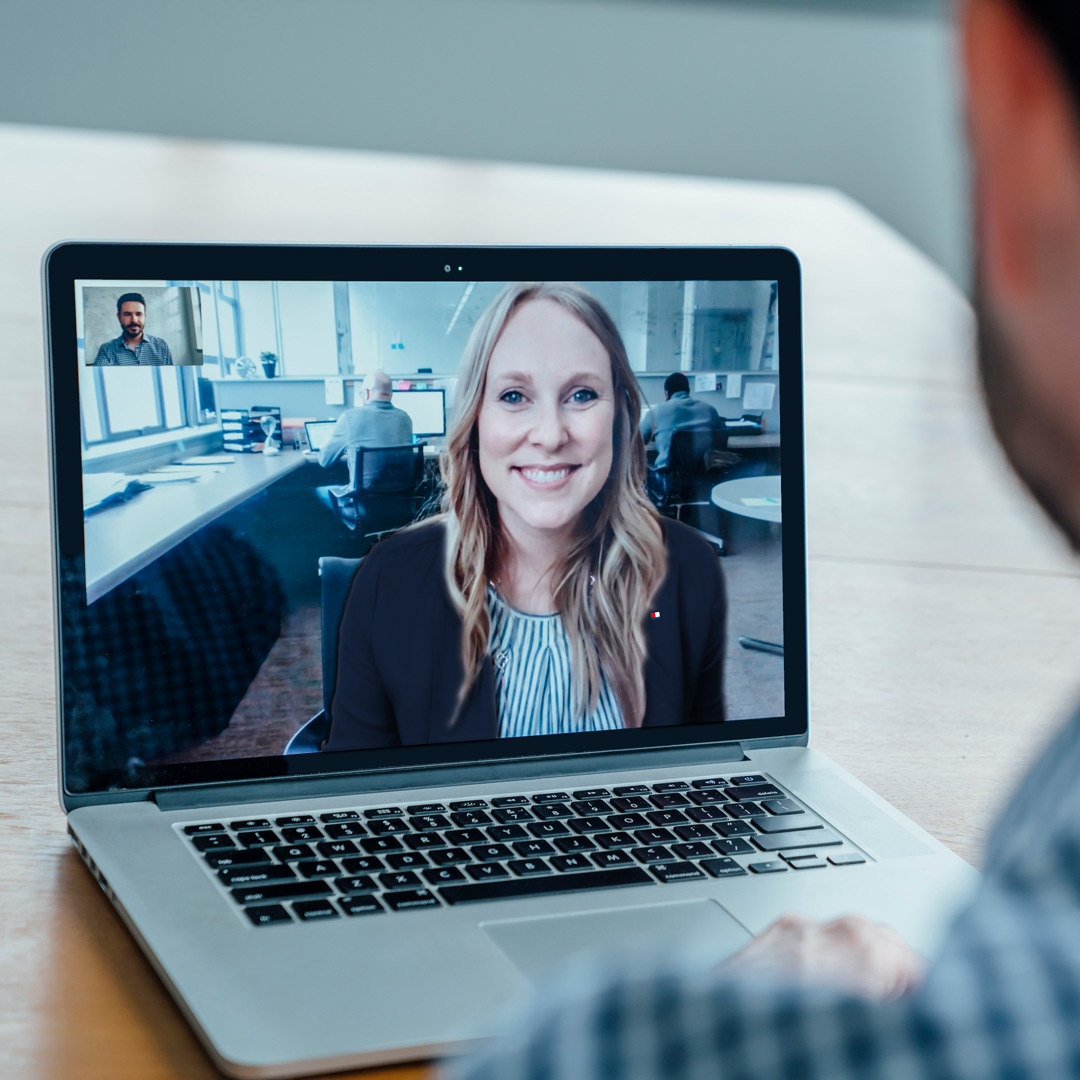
(859,95)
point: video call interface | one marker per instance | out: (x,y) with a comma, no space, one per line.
(264,462)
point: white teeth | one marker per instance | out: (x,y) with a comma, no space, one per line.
(545,476)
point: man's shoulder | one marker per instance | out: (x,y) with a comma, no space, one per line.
(156,342)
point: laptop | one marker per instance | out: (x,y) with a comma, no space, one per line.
(314,909)
(318,432)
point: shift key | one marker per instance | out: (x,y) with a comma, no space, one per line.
(789,823)
(790,841)
(294,890)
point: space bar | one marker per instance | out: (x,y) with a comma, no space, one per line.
(545,886)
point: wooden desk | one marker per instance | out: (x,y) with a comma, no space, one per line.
(944,614)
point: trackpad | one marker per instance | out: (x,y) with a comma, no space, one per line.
(537,945)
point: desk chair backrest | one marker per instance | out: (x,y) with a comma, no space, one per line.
(385,470)
(336,578)
(692,449)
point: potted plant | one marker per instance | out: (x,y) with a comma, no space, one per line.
(269,363)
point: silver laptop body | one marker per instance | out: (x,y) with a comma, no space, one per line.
(286,895)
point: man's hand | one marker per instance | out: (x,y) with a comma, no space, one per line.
(866,958)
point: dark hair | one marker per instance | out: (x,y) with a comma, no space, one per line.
(676,383)
(130,298)
(1059,23)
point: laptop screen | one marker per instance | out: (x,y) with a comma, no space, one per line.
(586,548)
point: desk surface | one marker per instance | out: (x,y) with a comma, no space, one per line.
(750,497)
(944,613)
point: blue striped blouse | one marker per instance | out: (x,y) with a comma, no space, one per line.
(533,663)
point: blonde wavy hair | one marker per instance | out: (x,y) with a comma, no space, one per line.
(605,583)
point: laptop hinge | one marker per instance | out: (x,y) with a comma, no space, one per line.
(313,787)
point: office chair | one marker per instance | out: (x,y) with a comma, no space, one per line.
(335,578)
(696,459)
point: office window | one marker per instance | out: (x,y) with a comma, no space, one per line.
(131,400)
(170,395)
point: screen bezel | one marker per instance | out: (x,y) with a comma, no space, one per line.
(442,397)
(309,424)
(67,263)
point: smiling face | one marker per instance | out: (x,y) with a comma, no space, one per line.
(546,420)
(132,316)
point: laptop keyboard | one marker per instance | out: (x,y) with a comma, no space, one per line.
(351,862)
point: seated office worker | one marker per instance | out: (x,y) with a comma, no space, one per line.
(678,412)
(375,423)
(134,345)
(548,596)
(847,999)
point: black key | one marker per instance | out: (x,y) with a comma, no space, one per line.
(443,875)
(424,809)
(510,800)
(378,845)
(711,782)
(789,823)
(754,792)
(771,867)
(491,852)
(295,819)
(745,810)
(787,841)
(739,781)
(735,846)
(671,785)
(361,883)
(417,898)
(590,807)
(388,826)
(804,862)
(429,823)
(631,803)
(310,910)
(627,821)
(664,801)
(267,914)
(782,806)
(450,856)
(235,857)
(301,834)
(290,890)
(344,829)
(335,849)
(466,818)
(214,842)
(249,823)
(655,853)
(383,812)
(604,859)
(529,848)
(360,905)
(632,789)
(529,867)
(694,832)
(706,813)
(722,867)
(552,796)
(548,828)
(486,871)
(615,840)
(574,843)
(469,804)
(707,797)
(566,863)
(734,828)
(588,824)
(846,858)
(592,793)
(666,817)
(252,875)
(501,833)
(693,850)
(318,868)
(337,816)
(404,879)
(258,838)
(457,837)
(406,861)
(553,811)
(676,871)
(540,886)
(654,836)
(423,841)
(201,830)
(364,864)
(513,813)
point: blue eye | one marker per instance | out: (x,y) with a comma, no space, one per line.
(512,397)
(584,395)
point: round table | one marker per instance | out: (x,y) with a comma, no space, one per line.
(752,497)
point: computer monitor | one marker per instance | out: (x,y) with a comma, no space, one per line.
(426,409)
(318,431)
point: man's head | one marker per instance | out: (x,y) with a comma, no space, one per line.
(1022,62)
(131,313)
(676,383)
(377,387)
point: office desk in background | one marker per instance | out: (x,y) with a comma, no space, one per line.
(944,614)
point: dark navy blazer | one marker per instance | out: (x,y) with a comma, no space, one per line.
(399,655)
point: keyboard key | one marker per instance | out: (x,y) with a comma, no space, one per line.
(548,828)
(707,797)
(671,785)
(739,781)
(450,856)
(754,792)
(632,789)
(343,830)
(360,883)
(208,827)
(568,844)
(510,800)
(630,803)
(735,846)
(310,910)
(529,848)
(251,875)
(487,871)
(787,841)
(652,854)
(710,782)
(469,804)
(256,838)
(722,867)
(406,861)
(249,823)
(553,811)
(782,806)
(404,879)
(457,837)
(707,813)
(528,867)
(694,832)
(334,849)
(744,810)
(734,828)
(267,914)
(425,809)
(365,864)
(676,871)
(654,836)
(214,842)
(290,890)
(423,841)
(360,905)
(295,819)
(429,823)
(551,796)
(388,826)
(790,823)
(590,807)
(622,822)
(694,850)
(379,845)
(318,868)
(301,834)
(501,833)
(772,867)
(236,857)
(592,793)
(846,858)
(604,859)
(383,812)
(566,863)
(443,875)
(666,817)
(490,852)
(513,813)
(615,840)
(337,816)
(546,885)
(803,862)
(417,898)
(588,824)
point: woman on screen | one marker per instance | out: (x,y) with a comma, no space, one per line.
(548,597)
